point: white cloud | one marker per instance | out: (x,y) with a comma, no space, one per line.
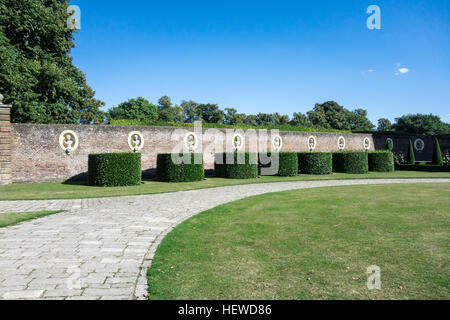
(403,70)
(370,70)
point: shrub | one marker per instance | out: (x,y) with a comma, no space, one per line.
(287,164)
(234,170)
(389,145)
(422,167)
(411,158)
(114,169)
(381,161)
(167,170)
(315,162)
(351,162)
(437,154)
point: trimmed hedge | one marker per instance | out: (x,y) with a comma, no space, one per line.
(381,161)
(287,164)
(315,162)
(351,162)
(246,170)
(421,167)
(168,171)
(114,169)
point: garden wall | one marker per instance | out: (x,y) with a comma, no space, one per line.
(37,157)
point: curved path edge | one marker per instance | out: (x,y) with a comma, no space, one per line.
(141,289)
(102,250)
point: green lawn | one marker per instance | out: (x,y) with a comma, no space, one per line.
(42,191)
(312,244)
(10,219)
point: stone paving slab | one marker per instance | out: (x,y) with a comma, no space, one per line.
(101,249)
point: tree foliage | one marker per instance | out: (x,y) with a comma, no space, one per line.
(36,72)
(384,125)
(421,124)
(137,109)
(331,115)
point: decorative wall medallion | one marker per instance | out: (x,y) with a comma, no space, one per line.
(390,141)
(135,141)
(68,141)
(191,141)
(238,142)
(341,143)
(277,143)
(312,142)
(366,143)
(419,145)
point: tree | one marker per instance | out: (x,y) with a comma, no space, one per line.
(411,158)
(136,109)
(36,72)
(264,119)
(384,125)
(211,113)
(330,115)
(233,118)
(191,111)
(251,120)
(167,112)
(280,119)
(359,121)
(421,124)
(300,120)
(437,153)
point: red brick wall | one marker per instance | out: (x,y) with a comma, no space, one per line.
(37,156)
(5,144)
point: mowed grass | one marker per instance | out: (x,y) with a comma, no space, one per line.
(10,219)
(50,191)
(312,244)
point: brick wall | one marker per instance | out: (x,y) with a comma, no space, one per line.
(37,156)
(5,144)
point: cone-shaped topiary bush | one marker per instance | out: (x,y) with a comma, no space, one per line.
(190,170)
(284,164)
(411,158)
(389,145)
(437,153)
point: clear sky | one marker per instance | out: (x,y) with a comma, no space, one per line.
(269,56)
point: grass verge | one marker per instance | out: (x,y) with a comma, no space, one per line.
(10,219)
(312,244)
(51,191)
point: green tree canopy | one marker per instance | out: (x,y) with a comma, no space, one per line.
(36,72)
(191,111)
(167,112)
(421,124)
(211,113)
(136,109)
(384,125)
(331,115)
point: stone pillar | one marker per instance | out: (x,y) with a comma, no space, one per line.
(5,144)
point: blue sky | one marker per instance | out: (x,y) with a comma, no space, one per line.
(269,56)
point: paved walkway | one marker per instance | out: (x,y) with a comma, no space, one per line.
(101,249)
